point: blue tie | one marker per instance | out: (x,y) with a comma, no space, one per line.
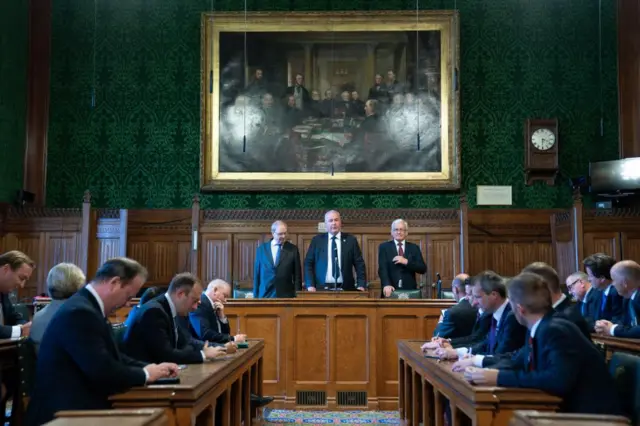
(336,263)
(279,249)
(632,314)
(583,308)
(492,335)
(603,305)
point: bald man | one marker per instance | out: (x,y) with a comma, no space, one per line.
(458,320)
(626,279)
(209,321)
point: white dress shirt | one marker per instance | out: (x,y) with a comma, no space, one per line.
(274,251)
(477,359)
(174,315)
(329,277)
(404,247)
(559,301)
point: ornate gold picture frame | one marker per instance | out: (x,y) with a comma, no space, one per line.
(339,100)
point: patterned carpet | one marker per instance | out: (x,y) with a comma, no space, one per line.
(287,417)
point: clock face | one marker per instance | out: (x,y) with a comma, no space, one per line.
(543,139)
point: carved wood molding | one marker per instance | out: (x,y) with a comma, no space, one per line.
(108,213)
(614,213)
(108,228)
(563,218)
(40,212)
(353,215)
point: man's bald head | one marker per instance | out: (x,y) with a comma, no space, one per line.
(626,277)
(219,290)
(458,286)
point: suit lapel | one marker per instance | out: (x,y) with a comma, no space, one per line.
(503,318)
(282,253)
(343,251)
(267,252)
(323,258)
(167,310)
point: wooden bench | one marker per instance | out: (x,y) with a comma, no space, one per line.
(535,418)
(616,344)
(9,361)
(143,417)
(229,381)
(425,384)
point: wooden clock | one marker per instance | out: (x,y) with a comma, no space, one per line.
(541,150)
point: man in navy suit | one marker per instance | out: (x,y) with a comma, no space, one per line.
(505,333)
(460,319)
(598,268)
(277,270)
(589,298)
(399,261)
(332,258)
(626,278)
(209,320)
(559,360)
(79,365)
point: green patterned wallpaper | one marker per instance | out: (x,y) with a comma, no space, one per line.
(134,142)
(13,94)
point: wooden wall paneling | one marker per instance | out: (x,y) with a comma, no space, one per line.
(303,243)
(109,235)
(602,242)
(630,242)
(464,235)
(370,245)
(244,256)
(628,81)
(562,243)
(215,257)
(443,257)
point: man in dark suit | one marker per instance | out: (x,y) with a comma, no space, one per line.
(626,278)
(332,258)
(460,319)
(154,334)
(15,270)
(302,99)
(399,261)
(559,360)
(598,268)
(589,298)
(79,365)
(277,271)
(209,320)
(505,334)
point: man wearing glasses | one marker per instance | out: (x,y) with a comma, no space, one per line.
(588,297)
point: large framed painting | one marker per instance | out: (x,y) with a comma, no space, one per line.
(316,101)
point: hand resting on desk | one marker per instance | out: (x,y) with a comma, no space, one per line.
(435,343)
(160,371)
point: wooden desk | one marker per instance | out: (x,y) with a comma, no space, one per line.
(332,294)
(425,384)
(144,417)
(9,361)
(229,382)
(616,344)
(535,418)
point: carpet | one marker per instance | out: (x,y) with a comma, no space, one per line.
(289,417)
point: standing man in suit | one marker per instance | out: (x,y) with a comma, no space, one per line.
(154,335)
(15,270)
(79,365)
(458,320)
(399,261)
(598,268)
(209,320)
(589,298)
(332,258)
(505,334)
(626,278)
(559,360)
(277,270)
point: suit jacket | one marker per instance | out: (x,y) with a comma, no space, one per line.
(281,280)
(480,330)
(510,336)
(79,365)
(626,329)
(306,97)
(570,311)
(151,336)
(11,317)
(590,308)
(458,321)
(613,310)
(315,263)
(41,320)
(207,325)
(567,365)
(390,274)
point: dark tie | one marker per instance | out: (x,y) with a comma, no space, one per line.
(278,251)
(531,360)
(175,332)
(492,335)
(336,263)
(603,305)
(400,251)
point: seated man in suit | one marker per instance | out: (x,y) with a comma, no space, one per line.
(458,320)
(79,365)
(399,261)
(277,271)
(598,268)
(15,270)
(63,281)
(154,335)
(505,334)
(589,298)
(148,295)
(559,360)
(626,278)
(209,321)
(332,258)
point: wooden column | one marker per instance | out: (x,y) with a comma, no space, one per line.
(35,152)
(464,235)
(576,222)
(629,77)
(195,233)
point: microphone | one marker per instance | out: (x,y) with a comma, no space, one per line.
(438,286)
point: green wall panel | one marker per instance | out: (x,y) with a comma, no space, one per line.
(14,21)
(125,101)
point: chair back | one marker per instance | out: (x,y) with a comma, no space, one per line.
(406,294)
(28,362)
(119,331)
(625,369)
(241,293)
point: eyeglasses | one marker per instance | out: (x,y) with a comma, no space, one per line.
(570,286)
